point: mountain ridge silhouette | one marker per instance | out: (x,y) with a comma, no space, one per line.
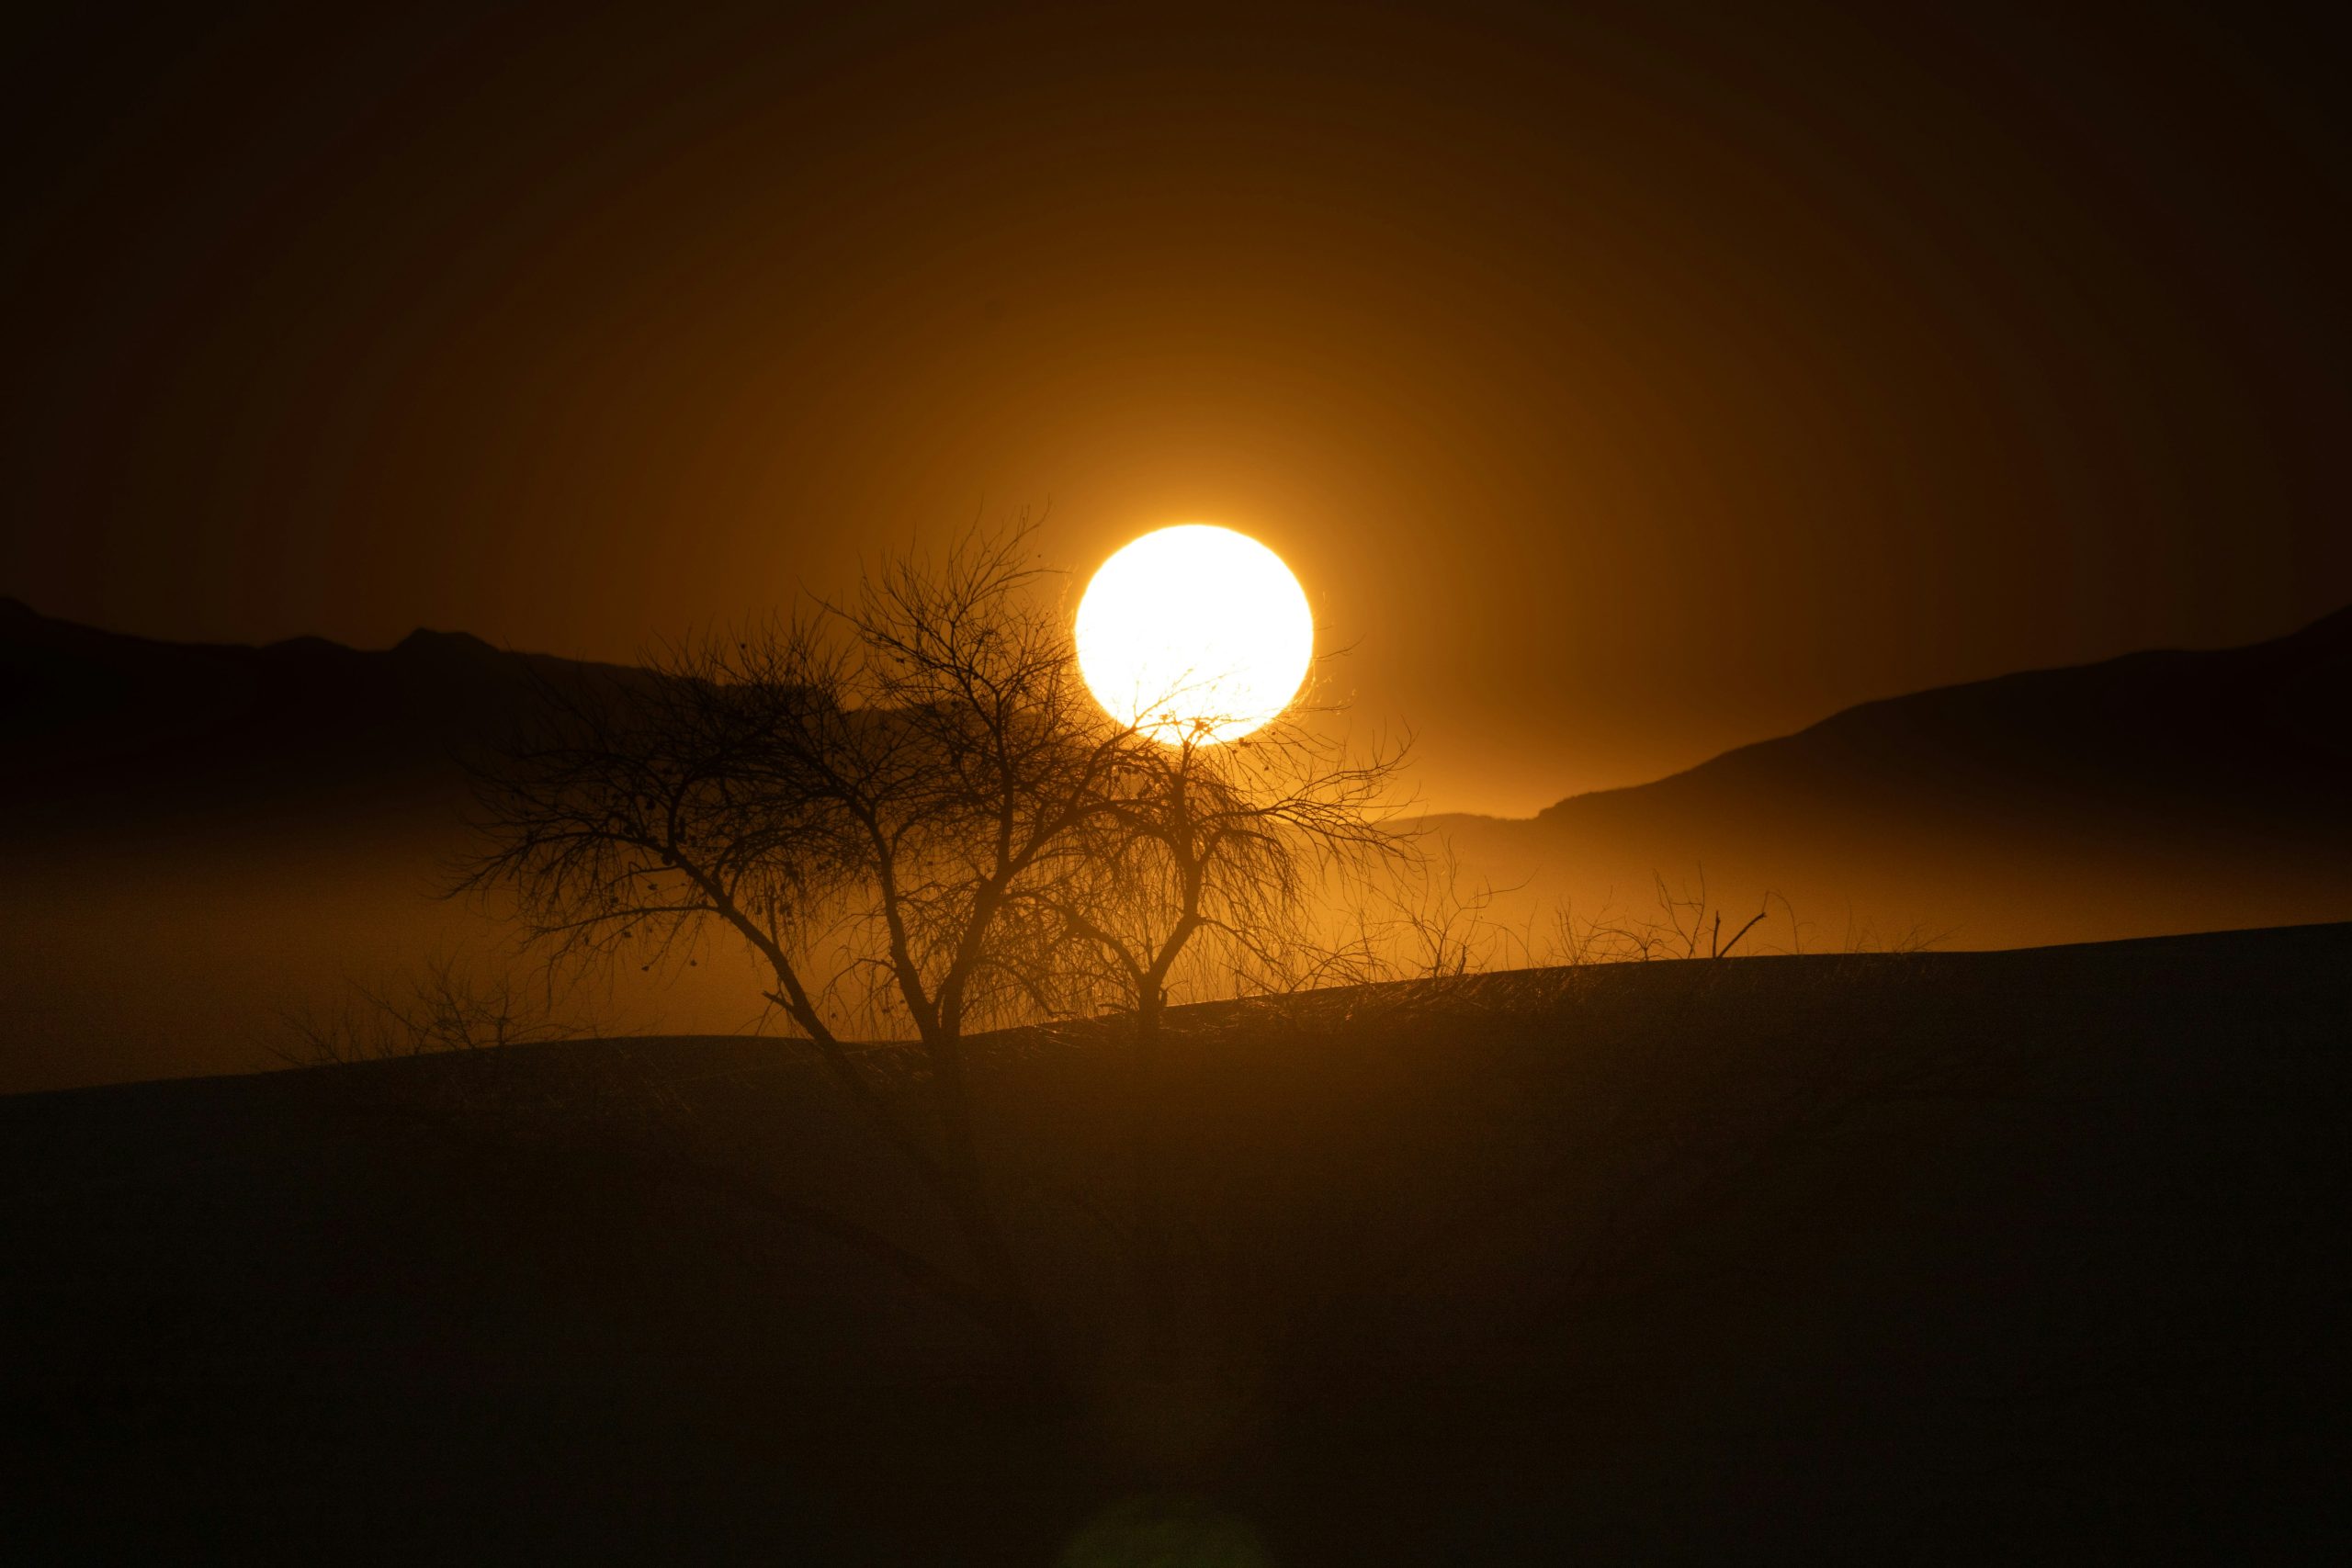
(37,649)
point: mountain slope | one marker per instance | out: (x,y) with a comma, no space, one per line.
(109,729)
(203,837)
(2165,791)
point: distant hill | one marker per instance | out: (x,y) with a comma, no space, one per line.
(1937,1258)
(202,836)
(107,729)
(2159,792)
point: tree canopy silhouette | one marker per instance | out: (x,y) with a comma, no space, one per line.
(909,806)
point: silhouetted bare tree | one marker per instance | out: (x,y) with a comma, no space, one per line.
(857,794)
(908,805)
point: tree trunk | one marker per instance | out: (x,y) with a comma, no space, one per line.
(968,1198)
(1149,1149)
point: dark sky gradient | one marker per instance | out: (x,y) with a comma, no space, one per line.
(1624,387)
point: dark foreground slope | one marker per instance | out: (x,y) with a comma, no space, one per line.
(2032,1256)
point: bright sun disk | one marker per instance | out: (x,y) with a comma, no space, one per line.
(1194,632)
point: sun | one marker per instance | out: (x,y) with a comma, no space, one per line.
(1195,632)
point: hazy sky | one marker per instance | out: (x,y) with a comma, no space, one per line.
(1622,389)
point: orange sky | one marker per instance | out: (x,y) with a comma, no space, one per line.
(1622,389)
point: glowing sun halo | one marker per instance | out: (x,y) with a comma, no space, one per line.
(1194,632)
